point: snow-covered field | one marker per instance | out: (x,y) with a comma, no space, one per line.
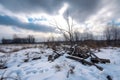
(60,69)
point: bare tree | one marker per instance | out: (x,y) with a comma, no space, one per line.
(115,32)
(51,38)
(112,32)
(68,33)
(107,33)
(31,39)
(76,36)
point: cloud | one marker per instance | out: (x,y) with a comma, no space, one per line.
(12,21)
(79,9)
(31,6)
(113,6)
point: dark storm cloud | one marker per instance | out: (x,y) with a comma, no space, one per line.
(49,6)
(82,9)
(79,9)
(10,21)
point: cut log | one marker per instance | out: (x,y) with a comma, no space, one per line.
(83,61)
(99,60)
(79,60)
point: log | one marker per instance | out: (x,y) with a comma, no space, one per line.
(79,60)
(26,60)
(77,51)
(109,77)
(83,55)
(99,67)
(96,60)
(53,57)
(83,61)
(92,54)
(3,67)
(36,58)
(57,55)
(50,58)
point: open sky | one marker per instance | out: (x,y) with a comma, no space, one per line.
(36,17)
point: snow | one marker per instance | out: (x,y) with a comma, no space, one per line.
(42,69)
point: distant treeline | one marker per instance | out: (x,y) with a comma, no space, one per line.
(17,40)
(90,43)
(110,37)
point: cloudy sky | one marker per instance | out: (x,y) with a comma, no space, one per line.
(34,17)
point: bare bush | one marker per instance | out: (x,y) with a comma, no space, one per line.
(58,68)
(71,70)
(27,57)
(3,61)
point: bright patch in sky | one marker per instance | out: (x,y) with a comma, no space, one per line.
(63,9)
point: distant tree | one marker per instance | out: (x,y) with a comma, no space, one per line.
(107,33)
(51,38)
(15,39)
(3,40)
(115,32)
(31,39)
(112,32)
(76,36)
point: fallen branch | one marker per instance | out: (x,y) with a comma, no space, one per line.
(55,56)
(109,77)
(97,60)
(83,61)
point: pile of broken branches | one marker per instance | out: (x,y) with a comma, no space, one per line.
(81,54)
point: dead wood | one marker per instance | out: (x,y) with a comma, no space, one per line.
(109,77)
(99,60)
(83,61)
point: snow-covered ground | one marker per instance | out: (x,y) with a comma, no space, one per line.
(60,69)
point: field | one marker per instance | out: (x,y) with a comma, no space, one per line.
(31,62)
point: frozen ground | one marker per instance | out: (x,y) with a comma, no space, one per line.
(42,69)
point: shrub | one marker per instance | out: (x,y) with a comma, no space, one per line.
(58,68)
(3,61)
